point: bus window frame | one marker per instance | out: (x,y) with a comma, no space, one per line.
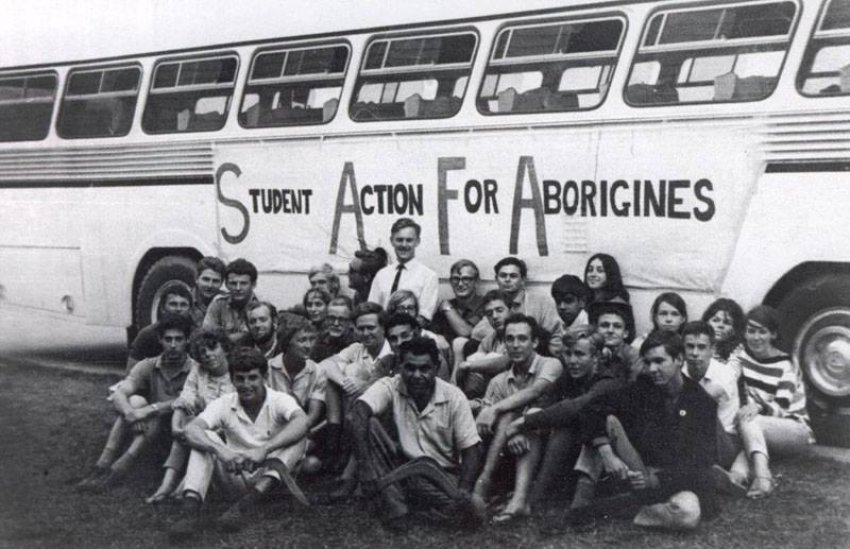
(53,101)
(176,89)
(588,18)
(707,46)
(99,68)
(413,69)
(288,47)
(808,54)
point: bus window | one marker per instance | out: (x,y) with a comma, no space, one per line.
(413,77)
(190,95)
(551,67)
(825,70)
(99,102)
(26,105)
(294,86)
(711,54)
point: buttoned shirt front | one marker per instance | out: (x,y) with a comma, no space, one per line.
(721,384)
(440,431)
(159,383)
(508,382)
(201,388)
(222,315)
(242,433)
(416,277)
(308,384)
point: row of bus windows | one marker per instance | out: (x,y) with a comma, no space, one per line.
(688,55)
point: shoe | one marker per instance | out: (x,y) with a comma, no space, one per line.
(725,483)
(184,529)
(505,517)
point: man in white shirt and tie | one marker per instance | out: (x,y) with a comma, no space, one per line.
(407,273)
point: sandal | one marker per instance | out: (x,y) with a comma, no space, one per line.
(506,517)
(761,487)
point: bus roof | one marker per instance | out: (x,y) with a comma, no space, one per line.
(35,32)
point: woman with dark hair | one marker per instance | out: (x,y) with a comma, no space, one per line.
(316,304)
(776,399)
(668,314)
(602,276)
(726,318)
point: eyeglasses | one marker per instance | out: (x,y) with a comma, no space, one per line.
(462,279)
(406,308)
(336,319)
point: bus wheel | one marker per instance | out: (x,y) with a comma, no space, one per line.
(818,312)
(165,270)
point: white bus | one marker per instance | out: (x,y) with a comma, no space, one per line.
(703,144)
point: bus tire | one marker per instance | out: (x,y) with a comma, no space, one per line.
(817,325)
(172,268)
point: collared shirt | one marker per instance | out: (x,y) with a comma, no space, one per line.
(160,384)
(201,388)
(308,384)
(581,319)
(199,308)
(221,315)
(542,309)
(327,346)
(416,277)
(441,431)
(355,361)
(471,312)
(721,384)
(508,383)
(240,432)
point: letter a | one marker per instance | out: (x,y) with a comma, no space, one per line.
(341,208)
(526,164)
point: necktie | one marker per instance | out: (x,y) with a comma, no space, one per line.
(397,278)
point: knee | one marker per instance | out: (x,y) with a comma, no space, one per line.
(137,401)
(613,426)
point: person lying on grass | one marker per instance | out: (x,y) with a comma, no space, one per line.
(435,437)
(143,402)
(250,441)
(528,383)
(207,381)
(658,437)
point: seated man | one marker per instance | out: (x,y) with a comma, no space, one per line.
(250,440)
(614,321)
(262,329)
(571,296)
(210,275)
(208,380)
(473,374)
(741,445)
(401,327)
(455,318)
(176,299)
(143,402)
(230,311)
(434,425)
(528,383)
(657,435)
(338,332)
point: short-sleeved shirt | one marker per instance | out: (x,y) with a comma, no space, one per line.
(356,362)
(493,343)
(221,315)
(146,344)
(542,309)
(416,277)
(441,431)
(201,388)
(150,378)
(308,384)
(721,384)
(471,312)
(508,383)
(226,414)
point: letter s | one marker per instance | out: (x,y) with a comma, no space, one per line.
(699,190)
(233,168)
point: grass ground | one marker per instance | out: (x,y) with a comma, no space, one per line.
(52,425)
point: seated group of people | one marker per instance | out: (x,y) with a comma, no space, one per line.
(441,406)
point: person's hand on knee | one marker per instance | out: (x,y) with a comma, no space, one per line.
(518,445)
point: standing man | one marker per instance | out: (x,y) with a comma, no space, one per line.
(434,426)
(264,438)
(511,276)
(229,312)
(658,435)
(407,273)
(210,275)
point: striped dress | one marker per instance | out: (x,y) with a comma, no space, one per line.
(773,383)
